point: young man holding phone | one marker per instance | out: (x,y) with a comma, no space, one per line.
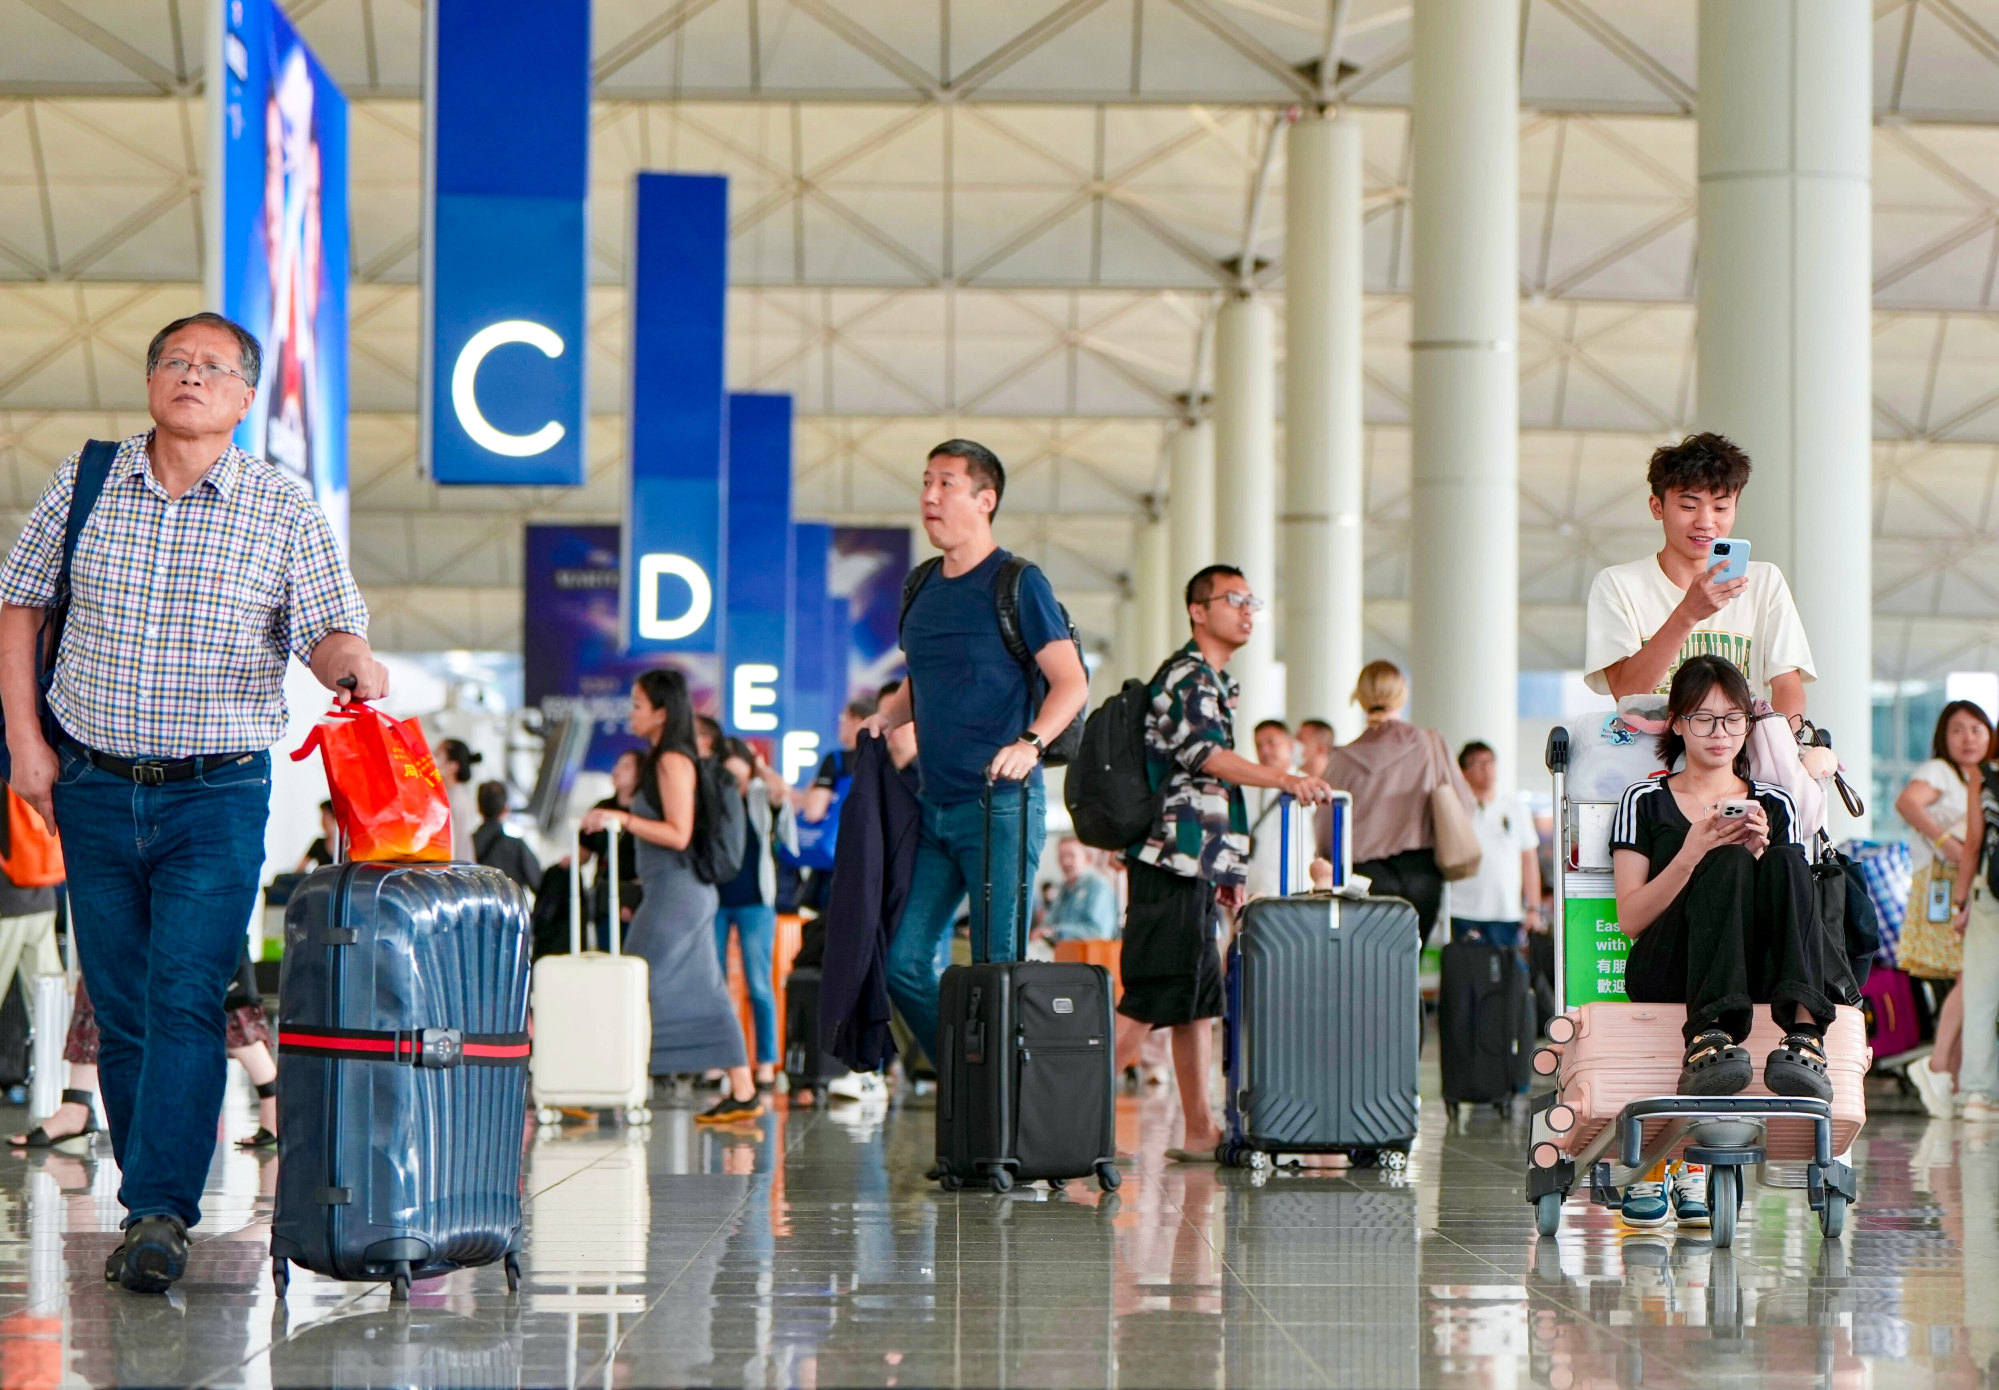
(1646,618)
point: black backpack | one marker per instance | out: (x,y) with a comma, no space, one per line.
(1062,749)
(721,824)
(1111,799)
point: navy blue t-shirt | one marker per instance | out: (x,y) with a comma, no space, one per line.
(971,697)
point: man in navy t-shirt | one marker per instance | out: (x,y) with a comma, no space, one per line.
(976,717)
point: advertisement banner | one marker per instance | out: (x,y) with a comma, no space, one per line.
(756,628)
(817,689)
(678,409)
(869,563)
(277,260)
(571,658)
(505,241)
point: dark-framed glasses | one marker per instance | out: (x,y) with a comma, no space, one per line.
(1705,725)
(1236,598)
(209,372)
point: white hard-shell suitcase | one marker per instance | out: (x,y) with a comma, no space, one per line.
(592,1016)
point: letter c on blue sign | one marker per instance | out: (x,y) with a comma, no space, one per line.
(465,393)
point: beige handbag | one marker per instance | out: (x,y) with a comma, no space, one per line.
(1929,950)
(1457,847)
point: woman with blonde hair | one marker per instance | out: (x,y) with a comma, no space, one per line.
(1391,769)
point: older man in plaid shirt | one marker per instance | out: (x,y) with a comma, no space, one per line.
(199,572)
(1195,857)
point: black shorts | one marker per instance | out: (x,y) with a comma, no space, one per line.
(1171,964)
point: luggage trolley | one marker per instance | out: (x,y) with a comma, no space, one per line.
(1588,1129)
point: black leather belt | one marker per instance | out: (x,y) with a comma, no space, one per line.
(157,772)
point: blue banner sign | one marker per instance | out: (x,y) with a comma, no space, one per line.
(756,626)
(505,241)
(278,263)
(812,720)
(678,407)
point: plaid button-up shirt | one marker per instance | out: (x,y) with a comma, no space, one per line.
(184,609)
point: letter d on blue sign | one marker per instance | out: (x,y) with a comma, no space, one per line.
(674,528)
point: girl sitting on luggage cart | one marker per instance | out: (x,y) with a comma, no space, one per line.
(1714,890)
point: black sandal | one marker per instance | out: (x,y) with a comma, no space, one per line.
(1797,1067)
(1715,1066)
(40,1138)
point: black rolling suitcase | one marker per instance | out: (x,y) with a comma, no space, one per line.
(1024,1085)
(402,1096)
(1486,1023)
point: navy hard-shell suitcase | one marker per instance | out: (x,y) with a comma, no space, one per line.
(402,1094)
(1025,1088)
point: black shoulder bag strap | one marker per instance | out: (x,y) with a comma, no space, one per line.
(93,467)
(912,584)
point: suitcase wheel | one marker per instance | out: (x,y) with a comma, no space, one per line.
(399,1283)
(1108,1177)
(1395,1160)
(1000,1176)
(950,1182)
(513,1272)
(548,1115)
(638,1115)
(281,1274)
(1057,1184)
(1364,1158)
(1548,1213)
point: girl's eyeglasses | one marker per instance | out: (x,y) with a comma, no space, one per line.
(1705,725)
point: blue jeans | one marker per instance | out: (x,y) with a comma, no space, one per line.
(756,930)
(950,858)
(1485,933)
(162,881)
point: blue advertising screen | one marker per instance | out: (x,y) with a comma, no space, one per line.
(817,687)
(573,662)
(678,408)
(756,624)
(506,251)
(279,263)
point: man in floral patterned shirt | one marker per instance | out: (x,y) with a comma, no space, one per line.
(1195,857)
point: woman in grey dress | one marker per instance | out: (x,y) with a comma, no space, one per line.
(694,1024)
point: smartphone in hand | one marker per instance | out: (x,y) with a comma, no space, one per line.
(1733,557)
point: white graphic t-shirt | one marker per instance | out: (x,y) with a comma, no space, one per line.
(1759,631)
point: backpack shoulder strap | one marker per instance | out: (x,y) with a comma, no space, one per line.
(912,584)
(1006,606)
(92,469)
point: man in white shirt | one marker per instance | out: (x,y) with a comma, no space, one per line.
(1275,748)
(1491,905)
(1647,617)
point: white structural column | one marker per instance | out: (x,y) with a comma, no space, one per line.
(1148,578)
(1784,333)
(1190,512)
(1125,654)
(1322,422)
(1246,491)
(1464,576)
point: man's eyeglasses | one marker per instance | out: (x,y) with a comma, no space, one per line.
(1705,725)
(1236,598)
(209,372)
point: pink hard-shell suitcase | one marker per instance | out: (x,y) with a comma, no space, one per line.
(1626,1052)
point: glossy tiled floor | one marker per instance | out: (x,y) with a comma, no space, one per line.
(811,1252)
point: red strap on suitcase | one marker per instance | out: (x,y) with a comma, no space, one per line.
(417,1047)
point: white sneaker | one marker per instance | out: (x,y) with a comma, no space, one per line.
(857,1085)
(1980,1109)
(1935,1088)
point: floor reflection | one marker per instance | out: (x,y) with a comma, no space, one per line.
(809,1251)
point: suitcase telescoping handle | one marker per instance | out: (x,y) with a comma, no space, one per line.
(1296,843)
(610,864)
(982,929)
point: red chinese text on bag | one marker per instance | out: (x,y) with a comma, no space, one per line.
(387,794)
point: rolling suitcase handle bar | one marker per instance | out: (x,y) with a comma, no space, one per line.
(982,929)
(1295,847)
(611,864)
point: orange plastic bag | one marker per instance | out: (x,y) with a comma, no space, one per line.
(387,795)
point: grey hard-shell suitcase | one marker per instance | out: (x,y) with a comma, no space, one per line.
(402,1093)
(1025,1088)
(1322,1029)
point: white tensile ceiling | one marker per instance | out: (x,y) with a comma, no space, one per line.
(1010,218)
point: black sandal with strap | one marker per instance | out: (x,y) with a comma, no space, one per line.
(1797,1067)
(1715,1066)
(40,1138)
(263,1138)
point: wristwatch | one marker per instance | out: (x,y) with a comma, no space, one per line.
(1033,740)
